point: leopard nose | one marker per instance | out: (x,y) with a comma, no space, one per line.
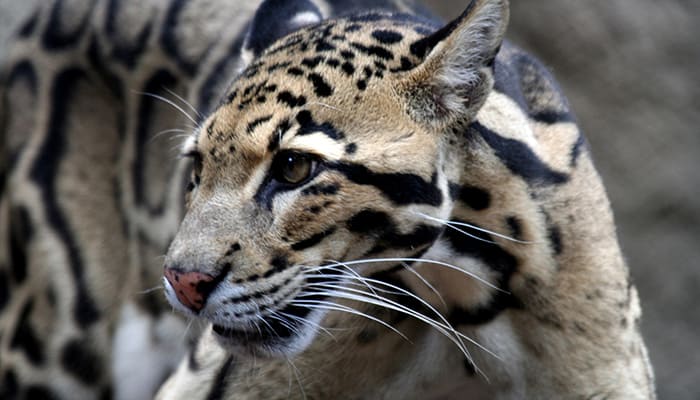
(191,288)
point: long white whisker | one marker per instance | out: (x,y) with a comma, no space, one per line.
(171,103)
(425,282)
(476,228)
(328,305)
(153,289)
(422,260)
(296,373)
(185,102)
(173,130)
(444,327)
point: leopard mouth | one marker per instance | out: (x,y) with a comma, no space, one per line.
(267,333)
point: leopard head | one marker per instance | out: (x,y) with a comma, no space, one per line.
(328,161)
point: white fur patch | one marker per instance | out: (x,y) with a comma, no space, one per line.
(145,350)
(305,18)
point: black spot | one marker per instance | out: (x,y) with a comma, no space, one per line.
(322,45)
(515,227)
(312,62)
(81,361)
(304,118)
(321,88)
(376,51)
(257,122)
(362,84)
(406,65)
(401,188)
(353,28)
(291,100)
(39,392)
(20,234)
(350,148)
(25,337)
(348,55)
(519,158)
(313,240)
(279,263)
(232,249)
(295,71)
(333,62)
(387,36)
(367,221)
(348,68)
(220,383)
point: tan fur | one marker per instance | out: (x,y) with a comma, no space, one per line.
(568,325)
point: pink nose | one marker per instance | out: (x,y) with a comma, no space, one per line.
(191,288)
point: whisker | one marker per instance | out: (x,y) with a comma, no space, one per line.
(173,130)
(443,327)
(296,374)
(151,290)
(318,103)
(171,103)
(476,228)
(185,102)
(425,282)
(328,305)
(421,260)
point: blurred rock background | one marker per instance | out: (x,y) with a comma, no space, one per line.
(631,69)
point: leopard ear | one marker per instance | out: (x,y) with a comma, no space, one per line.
(455,75)
(275,19)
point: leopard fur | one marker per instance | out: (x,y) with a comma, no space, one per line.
(450,237)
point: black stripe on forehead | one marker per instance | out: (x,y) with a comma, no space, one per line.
(277,134)
(257,122)
(309,126)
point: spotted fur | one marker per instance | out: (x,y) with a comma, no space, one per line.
(378,206)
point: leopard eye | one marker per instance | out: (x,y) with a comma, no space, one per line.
(292,167)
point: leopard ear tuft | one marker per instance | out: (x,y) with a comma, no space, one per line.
(456,73)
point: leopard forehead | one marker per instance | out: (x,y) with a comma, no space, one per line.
(318,80)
